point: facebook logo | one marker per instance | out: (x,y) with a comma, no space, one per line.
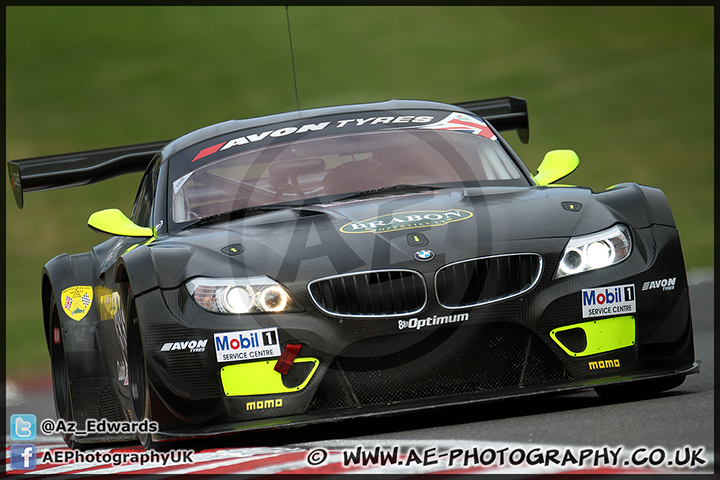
(22,457)
(23,427)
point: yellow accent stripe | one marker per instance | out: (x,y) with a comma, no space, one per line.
(259,378)
(602,335)
(147,242)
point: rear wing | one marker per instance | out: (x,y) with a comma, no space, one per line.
(504,113)
(75,169)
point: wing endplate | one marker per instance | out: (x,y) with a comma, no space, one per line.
(504,113)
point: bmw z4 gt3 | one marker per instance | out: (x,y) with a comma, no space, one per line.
(352,261)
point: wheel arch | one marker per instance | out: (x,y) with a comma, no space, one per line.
(88,374)
(60,273)
(641,205)
(81,342)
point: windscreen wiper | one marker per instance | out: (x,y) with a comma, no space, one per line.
(239,213)
(392,188)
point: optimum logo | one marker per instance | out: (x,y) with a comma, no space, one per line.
(404,220)
(597,302)
(417,324)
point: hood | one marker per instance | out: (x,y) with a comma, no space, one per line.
(384,232)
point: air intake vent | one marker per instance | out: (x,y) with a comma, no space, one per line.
(485,280)
(380,293)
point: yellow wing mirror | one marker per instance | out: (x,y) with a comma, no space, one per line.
(114,222)
(557,164)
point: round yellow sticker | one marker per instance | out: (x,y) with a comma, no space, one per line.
(76,301)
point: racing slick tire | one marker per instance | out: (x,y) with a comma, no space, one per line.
(640,389)
(139,384)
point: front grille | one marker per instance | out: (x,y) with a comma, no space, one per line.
(379,293)
(450,361)
(485,280)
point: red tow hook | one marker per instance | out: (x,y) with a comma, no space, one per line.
(287,358)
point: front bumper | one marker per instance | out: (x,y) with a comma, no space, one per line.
(350,367)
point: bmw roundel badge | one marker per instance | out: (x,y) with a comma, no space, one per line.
(424,255)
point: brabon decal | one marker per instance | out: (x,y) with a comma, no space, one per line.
(597,302)
(76,301)
(403,220)
(247,345)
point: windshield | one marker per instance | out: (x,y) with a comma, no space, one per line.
(331,167)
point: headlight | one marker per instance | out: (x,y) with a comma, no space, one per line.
(241,295)
(596,250)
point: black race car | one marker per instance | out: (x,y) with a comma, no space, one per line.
(351,261)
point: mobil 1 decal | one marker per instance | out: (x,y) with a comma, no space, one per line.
(247,345)
(603,301)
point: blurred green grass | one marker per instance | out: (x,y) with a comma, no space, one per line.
(629,88)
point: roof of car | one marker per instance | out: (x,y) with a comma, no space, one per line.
(234,125)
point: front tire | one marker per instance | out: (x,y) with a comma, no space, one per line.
(139,384)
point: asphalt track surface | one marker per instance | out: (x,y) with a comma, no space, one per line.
(678,422)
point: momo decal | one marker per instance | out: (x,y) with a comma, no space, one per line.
(597,302)
(603,364)
(666,284)
(263,404)
(403,220)
(76,301)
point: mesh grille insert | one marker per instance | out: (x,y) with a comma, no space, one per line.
(110,408)
(484,280)
(574,339)
(297,374)
(450,361)
(378,293)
